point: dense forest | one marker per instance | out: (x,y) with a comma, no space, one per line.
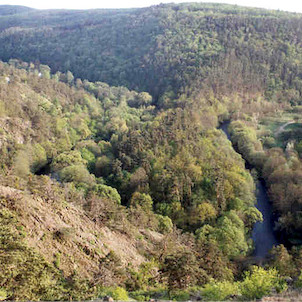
(114,177)
(165,48)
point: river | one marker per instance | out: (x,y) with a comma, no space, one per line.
(263,233)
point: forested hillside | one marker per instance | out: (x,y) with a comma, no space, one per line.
(131,189)
(165,48)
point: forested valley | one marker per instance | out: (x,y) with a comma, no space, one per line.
(115,178)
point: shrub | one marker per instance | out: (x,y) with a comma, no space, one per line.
(259,282)
(181,269)
(165,224)
(180,295)
(77,174)
(68,158)
(65,233)
(144,278)
(57,260)
(282,260)
(218,291)
(32,278)
(298,283)
(107,192)
(2,109)
(39,158)
(21,164)
(139,297)
(143,200)
(117,293)
(103,166)
(3,294)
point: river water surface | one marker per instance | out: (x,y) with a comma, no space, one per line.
(263,233)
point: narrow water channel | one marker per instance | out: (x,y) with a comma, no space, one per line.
(263,233)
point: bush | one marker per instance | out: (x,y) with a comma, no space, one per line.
(21,164)
(165,224)
(64,233)
(107,192)
(181,269)
(180,295)
(3,294)
(139,297)
(68,158)
(298,283)
(39,158)
(103,166)
(117,293)
(32,278)
(260,282)
(158,293)
(218,291)
(77,174)
(143,200)
(144,278)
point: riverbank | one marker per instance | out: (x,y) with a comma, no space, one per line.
(263,234)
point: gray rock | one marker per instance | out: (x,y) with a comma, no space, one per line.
(108,299)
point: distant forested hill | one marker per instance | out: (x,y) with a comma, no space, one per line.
(164,48)
(14,9)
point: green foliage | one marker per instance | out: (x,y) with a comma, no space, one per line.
(57,260)
(257,283)
(77,174)
(39,157)
(203,63)
(180,295)
(22,164)
(107,192)
(219,291)
(181,270)
(3,294)
(103,166)
(282,260)
(204,212)
(252,215)
(142,200)
(299,148)
(260,282)
(66,159)
(199,44)
(89,157)
(229,234)
(45,71)
(298,282)
(144,278)
(117,293)
(165,224)
(36,279)
(245,138)
(142,99)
